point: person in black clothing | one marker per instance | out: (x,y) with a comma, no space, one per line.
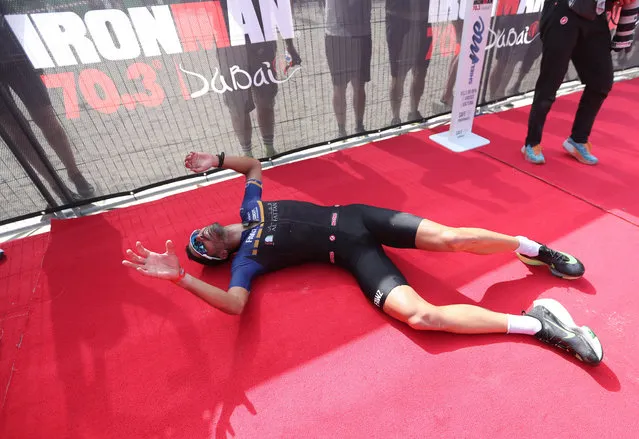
(252,57)
(17,75)
(445,102)
(577,31)
(408,42)
(276,234)
(349,47)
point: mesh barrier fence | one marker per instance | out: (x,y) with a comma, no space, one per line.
(102,97)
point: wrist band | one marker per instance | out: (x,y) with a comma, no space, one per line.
(180,276)
(220,159)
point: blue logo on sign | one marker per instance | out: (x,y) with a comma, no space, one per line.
(478,36)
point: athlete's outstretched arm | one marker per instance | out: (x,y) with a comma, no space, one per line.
(230,302)
(167,266)
(203,161)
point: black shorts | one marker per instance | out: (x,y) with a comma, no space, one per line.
(349,58)
(250,58)
(365,229)
(26,83)
(408,44)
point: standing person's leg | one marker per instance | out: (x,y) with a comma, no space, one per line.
(339,107)
(420,44)
(266,120)
(359,104)
(363,50)
(241,122)
(337,55)
(47,120)
(296,59)
(417,91)
(559,32)
(395,37)
(447,96)
(501,71)
(385,286)
(532,53)
(239,101)
(593,61)
(396,93)
(14,134)
(29,87)
(264,94)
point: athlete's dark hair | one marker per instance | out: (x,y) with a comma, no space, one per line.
(199,259)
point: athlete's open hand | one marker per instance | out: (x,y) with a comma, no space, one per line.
(163,266)
(200,161)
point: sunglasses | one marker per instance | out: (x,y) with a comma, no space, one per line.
(198,247)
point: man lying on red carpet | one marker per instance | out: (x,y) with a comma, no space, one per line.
(277,234)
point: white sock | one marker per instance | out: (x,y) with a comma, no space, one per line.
(523,325)
(527,247)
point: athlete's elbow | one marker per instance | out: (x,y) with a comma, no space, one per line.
(236,307)
(231,309)
(234,301)
(256,168)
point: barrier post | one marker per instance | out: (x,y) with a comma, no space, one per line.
(472,53)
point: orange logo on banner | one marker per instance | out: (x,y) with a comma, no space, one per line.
(533,29)
(444,40)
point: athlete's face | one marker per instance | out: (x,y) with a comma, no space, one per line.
(213,239)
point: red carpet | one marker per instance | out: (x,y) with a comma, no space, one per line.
(93,350)
(611,184)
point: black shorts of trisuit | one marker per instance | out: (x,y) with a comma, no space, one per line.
(250,58)
(408,44)
(349,58)
(362,231)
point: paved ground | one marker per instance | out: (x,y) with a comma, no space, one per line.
(133,148)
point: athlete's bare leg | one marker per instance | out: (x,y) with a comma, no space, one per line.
(404,304)
(542,321)
(432,236)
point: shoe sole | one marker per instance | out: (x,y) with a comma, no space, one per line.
(585,332)
(573,152)
(543,161)
(536,262)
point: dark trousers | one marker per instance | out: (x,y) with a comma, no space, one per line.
(566,36)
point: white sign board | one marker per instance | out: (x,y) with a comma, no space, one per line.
(471,64)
